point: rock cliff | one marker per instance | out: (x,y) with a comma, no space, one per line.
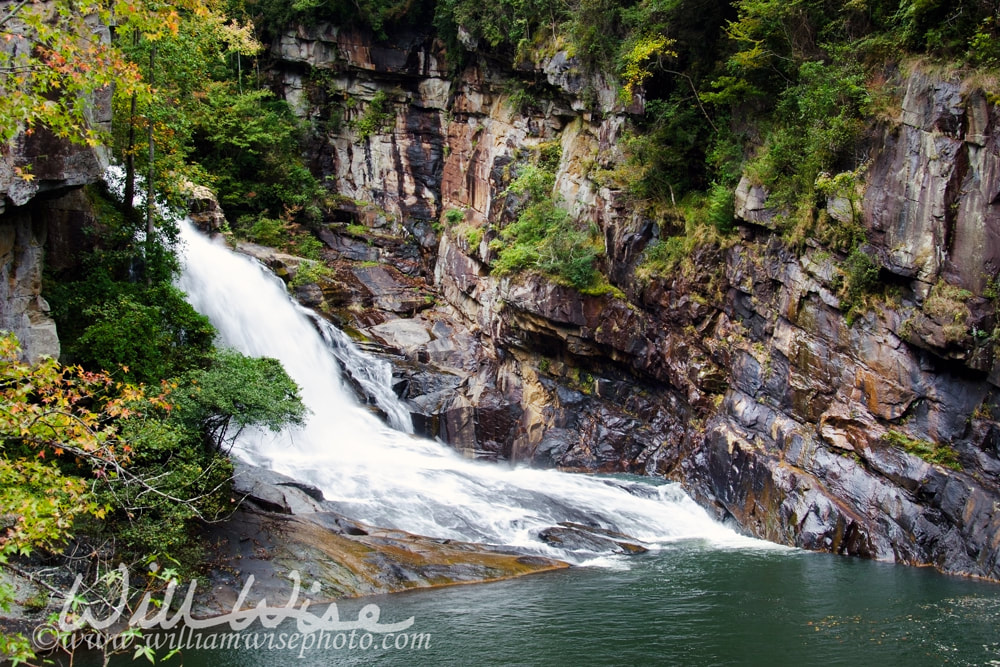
(44,214)
(865,430)
(42,211)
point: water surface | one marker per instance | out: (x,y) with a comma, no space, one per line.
(691,603)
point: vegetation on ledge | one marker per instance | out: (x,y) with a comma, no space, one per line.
(544,237)
(932,452)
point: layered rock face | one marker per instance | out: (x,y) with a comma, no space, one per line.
(500,369)
(802,448)
(743,376)
(41,209)
(45,214)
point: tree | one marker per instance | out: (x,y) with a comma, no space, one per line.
(58,55)
(141,462)
(58,436)
(181,67)
(239,391)
(155,334)
(59,431)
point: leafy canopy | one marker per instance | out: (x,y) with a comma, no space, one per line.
(58,55)
(60,432)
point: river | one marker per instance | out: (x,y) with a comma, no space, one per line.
(690,603)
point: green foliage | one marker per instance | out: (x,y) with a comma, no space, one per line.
(943,28)
(843,187)
(521,99)
(57,433)
(596,29)
(860,279)
(306,245)
(191,69)
(151,334)
(699,220)
(453,217)
(250,144)
(663,255)
(111,316)
(796,73)
(720,211)
(533,182)
(638,58)
(549,156)
(817,124)
(544,237)
(932,452)
(282,233)
(16,648)
(376,117)
(506,23)
(664,151)
(984,45)
(144,524)
(310,272)
(473,236)
(378,15)
(52,67)
(263,230)
(213,124)
(236,392)
(144,330)
(78,446)
(947,304)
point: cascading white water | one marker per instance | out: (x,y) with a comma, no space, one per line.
(373,375)
(385,477)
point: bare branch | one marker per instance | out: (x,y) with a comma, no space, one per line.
(13,12)
(696,99)
(33,579)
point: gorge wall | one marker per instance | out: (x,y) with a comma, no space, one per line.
(43,210)
(42,222)
(743,375)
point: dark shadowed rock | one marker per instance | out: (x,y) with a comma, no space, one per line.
(577,537)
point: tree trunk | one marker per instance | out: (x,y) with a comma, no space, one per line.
(150,199)
(129,193)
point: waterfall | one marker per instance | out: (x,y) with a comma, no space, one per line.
(384,476)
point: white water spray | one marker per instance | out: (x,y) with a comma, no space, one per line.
(383,476)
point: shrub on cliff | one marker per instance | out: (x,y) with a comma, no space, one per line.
(545,237)
(939,453)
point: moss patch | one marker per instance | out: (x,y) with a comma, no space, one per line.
(932,452)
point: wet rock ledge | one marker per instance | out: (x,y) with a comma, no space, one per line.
(283,526)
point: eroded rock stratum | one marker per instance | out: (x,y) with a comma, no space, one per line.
(743,376)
